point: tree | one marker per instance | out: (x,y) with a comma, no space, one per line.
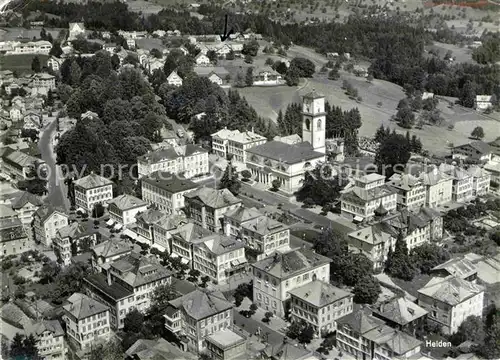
(401,265)
(248,59)
(50,98)
(246,174)
(230,180)
(303,67)
(111,350)
(159,302)
(405,117)
(250,48)
(478,132)
(156,53)
(392,154)
(320,185)
(369,78)
(491,346)
(471,329)
(333,74)
(35,181)
(24,348)
(294,329)
(230,55)
(306,335)
(36,66)
(98,210)
(253,309)
(366,291)
(204,280)
(56,50)
(193,275)
(134,321)
(380,134)
(267,317)
(427,256)
(292,77)
(276,184)
(249,77)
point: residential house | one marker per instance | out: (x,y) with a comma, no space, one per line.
(410,191)
(49,336)
(368,193)
(402,314)
(201,60)
(438,187)
(234,219)
(110,47)
(91,190)
(450,301)
(226,345)
(164,229)
(166,191)
(76,30)
(483,102)
(131,44)
(32,121)
(235,143)
(13,237)
(266,76)
(109,251)
(87,322)
(145,222)
(18,164)
(462,182)
(187,160)
(72,240)
(207,206)
(216,74)
(16,112)
(42,83)
(459,266)
(174,79)
(478,151)
(54,63)
(47,220)
(320,304)
(25,206)
(275,276)
(198,315)
(481,179)
(127,284)
(265,235)
(219,257)
(493,168)
(158,349)
(183,238)
(123,208)
(365,337)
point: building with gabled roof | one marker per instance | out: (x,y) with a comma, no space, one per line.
(87,321)
(477,150)
(233,219)
(73,240)
(18,164)
(450,301)
(275,276)
(13,236)
(410,190)
(183,239)
(186,160)
(197,315)
(25,206)
(174,79)
(481,179)
(123,208)
(91,190)
(461,190)
(265,235)
(320,304)
(108,251)
(76,29)
(207,206)
(459,266)
(49,336)
(402,314)
(158,349)
(438,186)
(127,283)
(47,220)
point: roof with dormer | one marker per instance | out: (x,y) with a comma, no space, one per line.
(136,269)
(214,198)
(127,202)
(200,304)
(243,213)
(451,290)
(263,225)
(399,310)
(81,306)
(360,321)
(92,181)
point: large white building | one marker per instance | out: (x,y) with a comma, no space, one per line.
(123,209)
(410,190)
(41,47)
(186,160)
(235,143)
(47,220)
(462,183)
(480,180)
(451,300)
(368,193)
(438,187)
(275,276)
(286,162)
(91,190)
(166,191)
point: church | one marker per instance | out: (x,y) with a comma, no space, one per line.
(288,162)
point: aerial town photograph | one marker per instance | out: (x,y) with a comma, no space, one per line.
(250,179)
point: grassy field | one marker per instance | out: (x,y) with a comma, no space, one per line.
(20,63)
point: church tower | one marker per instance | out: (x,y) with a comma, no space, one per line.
(314,120)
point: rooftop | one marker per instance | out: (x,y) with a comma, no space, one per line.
(46,210)
(398,342)
(73,230)
(159,349)
(92,181)
(201,304)
(52,326)
(213,198)
(169,182)
(360,321)
(399,310)
(242,214)
(319,293)
(136,270)
(112,247)
(264,225)
(286,153)
(126,202)
(171,153)
(190,231)
(237,136)
(459,266)
(220,244)
(286,265)
(115,291)
(451,290)
(81,306)
(357,194)
(313,95)
(481,146)
(225,338)
(26,198)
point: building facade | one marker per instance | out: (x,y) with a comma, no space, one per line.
(124,208)
(47,220)
(235,143)
(91,190)
(274,277)
(73,240)
(410,191)
(50,341)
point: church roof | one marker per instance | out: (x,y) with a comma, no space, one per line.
(313,95)
(286,153)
